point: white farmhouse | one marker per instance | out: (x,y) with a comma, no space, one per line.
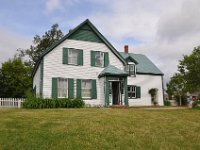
(83,64)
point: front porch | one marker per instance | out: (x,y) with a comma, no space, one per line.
(115,86)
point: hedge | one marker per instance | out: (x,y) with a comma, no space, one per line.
(53,103)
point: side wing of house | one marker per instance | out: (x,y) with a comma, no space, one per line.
(143,76)
(71,68)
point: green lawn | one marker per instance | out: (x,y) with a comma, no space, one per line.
(93,128)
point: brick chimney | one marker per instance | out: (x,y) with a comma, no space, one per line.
(126,48)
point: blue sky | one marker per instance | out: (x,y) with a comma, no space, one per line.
(158,29)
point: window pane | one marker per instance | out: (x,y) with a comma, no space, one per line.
(86,88)
(62,87)
(73,56)
(131,91)
(99,58)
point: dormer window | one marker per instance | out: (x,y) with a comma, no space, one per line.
(131,69)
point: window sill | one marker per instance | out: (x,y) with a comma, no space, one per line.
(98,66)
(86,98)
(73,64)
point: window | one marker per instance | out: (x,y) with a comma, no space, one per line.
(62,87)
(73,56)
(131,91)
(131,69)
(86,88)
(99,59)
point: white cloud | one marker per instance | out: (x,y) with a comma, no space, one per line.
(10,42)
(52,5)
(165,29)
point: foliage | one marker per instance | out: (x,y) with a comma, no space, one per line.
(15,78)
(167,103)
(153,93)
(176,86)
(32,102)
(189,67)
(183,100)
(91,128)
(196,104)
(40,44)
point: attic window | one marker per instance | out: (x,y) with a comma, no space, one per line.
(131,69)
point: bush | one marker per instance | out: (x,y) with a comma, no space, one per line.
(183,100)
(53,103)
(196,104)
(167,103)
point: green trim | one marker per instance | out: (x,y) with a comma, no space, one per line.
(41,77)
(104,40)
(34,91)
(65,55)
(125,92)
(92,58)
(94,90)
(80,57)
(106,59)
(113,71)
(130,59)
(158,74)
(106,92)
(163,89)
(138,92)
(54,92)
(70,88)
(78,88)
(85,33)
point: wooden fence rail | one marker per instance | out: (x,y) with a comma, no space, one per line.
(11,102)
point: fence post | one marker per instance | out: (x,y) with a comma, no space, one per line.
(19,103)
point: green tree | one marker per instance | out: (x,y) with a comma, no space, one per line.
(40,44)
(15,78)
(189,67)
(176,87)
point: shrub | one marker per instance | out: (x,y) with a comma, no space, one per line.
(196,104)
(167,103)
(53,103)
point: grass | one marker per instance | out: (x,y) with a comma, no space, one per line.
(104,128)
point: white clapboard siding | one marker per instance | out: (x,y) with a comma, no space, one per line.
(146,82)
(11,102)
(53,67)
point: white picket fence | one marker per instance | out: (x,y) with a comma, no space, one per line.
(11,102)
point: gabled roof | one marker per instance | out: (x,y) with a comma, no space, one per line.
(76,33)
(144,66)
(112,71)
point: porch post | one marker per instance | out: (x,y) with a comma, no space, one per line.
(106,92)
(125,92)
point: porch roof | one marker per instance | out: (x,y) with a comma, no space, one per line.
(112,71)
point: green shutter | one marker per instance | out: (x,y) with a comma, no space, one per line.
(71,88)
(54,92)
(106,59)
(138,92)
(92,58)
(80,57)
(78,88)
(94,90)
(65,55)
